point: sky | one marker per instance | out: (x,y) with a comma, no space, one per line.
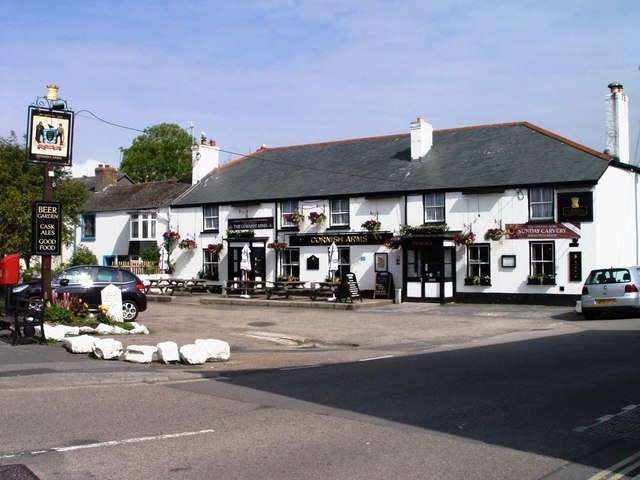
(289,72)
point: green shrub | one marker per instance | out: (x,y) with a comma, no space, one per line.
(83,256)
(150,254)
(58,315)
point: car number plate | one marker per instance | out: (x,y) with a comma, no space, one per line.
(606,302)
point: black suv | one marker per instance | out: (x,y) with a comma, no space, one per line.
(86,282)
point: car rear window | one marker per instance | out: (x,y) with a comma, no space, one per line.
(609,275)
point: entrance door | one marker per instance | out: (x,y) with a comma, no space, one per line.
(429,266)
(257,262)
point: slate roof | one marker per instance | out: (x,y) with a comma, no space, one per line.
(479,158)
(138,196)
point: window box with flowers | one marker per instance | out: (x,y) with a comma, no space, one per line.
(426,229)
(317,218)
(393,243)
(462,239)
(478,280)
(494,234)
(188,244)
(215,248)
(541,279)
(294,217)
(277,246)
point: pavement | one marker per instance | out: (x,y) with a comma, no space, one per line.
(283,334)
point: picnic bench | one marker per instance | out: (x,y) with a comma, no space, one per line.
(244,287)
(171,285)
(23,317)
(287,289)
(328,290)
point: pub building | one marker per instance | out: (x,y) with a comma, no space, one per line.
(493,213)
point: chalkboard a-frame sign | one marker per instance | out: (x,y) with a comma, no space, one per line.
(384,285)
(351,286)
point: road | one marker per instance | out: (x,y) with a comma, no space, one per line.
(511,403)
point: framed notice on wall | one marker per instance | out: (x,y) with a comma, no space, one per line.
(380,260)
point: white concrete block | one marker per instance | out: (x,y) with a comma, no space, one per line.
(139,353)
(168,352)
(192,354)
(81,344)
(107,348)
(217,350)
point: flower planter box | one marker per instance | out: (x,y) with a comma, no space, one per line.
(544,281)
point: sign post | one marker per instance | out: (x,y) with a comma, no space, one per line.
(49,141)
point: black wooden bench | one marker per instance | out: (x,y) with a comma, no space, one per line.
(23,317)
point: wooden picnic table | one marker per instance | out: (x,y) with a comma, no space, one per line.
(244,287)
(326,289)
(171,285)
(287,289)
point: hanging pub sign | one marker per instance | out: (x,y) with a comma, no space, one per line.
(575,207)
(45,228)
(50,136)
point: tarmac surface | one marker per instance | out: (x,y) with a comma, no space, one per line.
(283,334)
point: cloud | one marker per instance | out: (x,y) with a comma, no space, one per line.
(85,169)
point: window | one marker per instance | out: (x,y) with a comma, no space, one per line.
(143,226)
(290,262)
(478,261)
(288,208)
(541,204)
(340,212)
(211,218)
(210,267)
(542,258)
(434,207)
(89,226)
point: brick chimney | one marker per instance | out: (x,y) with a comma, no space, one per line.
(617,123)
(421,138)
(106,176)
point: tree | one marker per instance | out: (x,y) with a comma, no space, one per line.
(21,184)
(163,152)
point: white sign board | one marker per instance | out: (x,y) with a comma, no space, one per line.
(111,297)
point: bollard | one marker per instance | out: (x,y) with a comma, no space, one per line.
(398,298)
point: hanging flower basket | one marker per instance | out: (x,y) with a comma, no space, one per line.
(372,225)
(294,217)
(171,236)
(277,246)
(494,234)
(188,244)
(393,243)
(317,218)
(215,248)
(462,239)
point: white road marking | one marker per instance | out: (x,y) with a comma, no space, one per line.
(375,358)
(110,443)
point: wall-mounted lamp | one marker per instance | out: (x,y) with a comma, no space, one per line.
(519,194)
(574,243)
